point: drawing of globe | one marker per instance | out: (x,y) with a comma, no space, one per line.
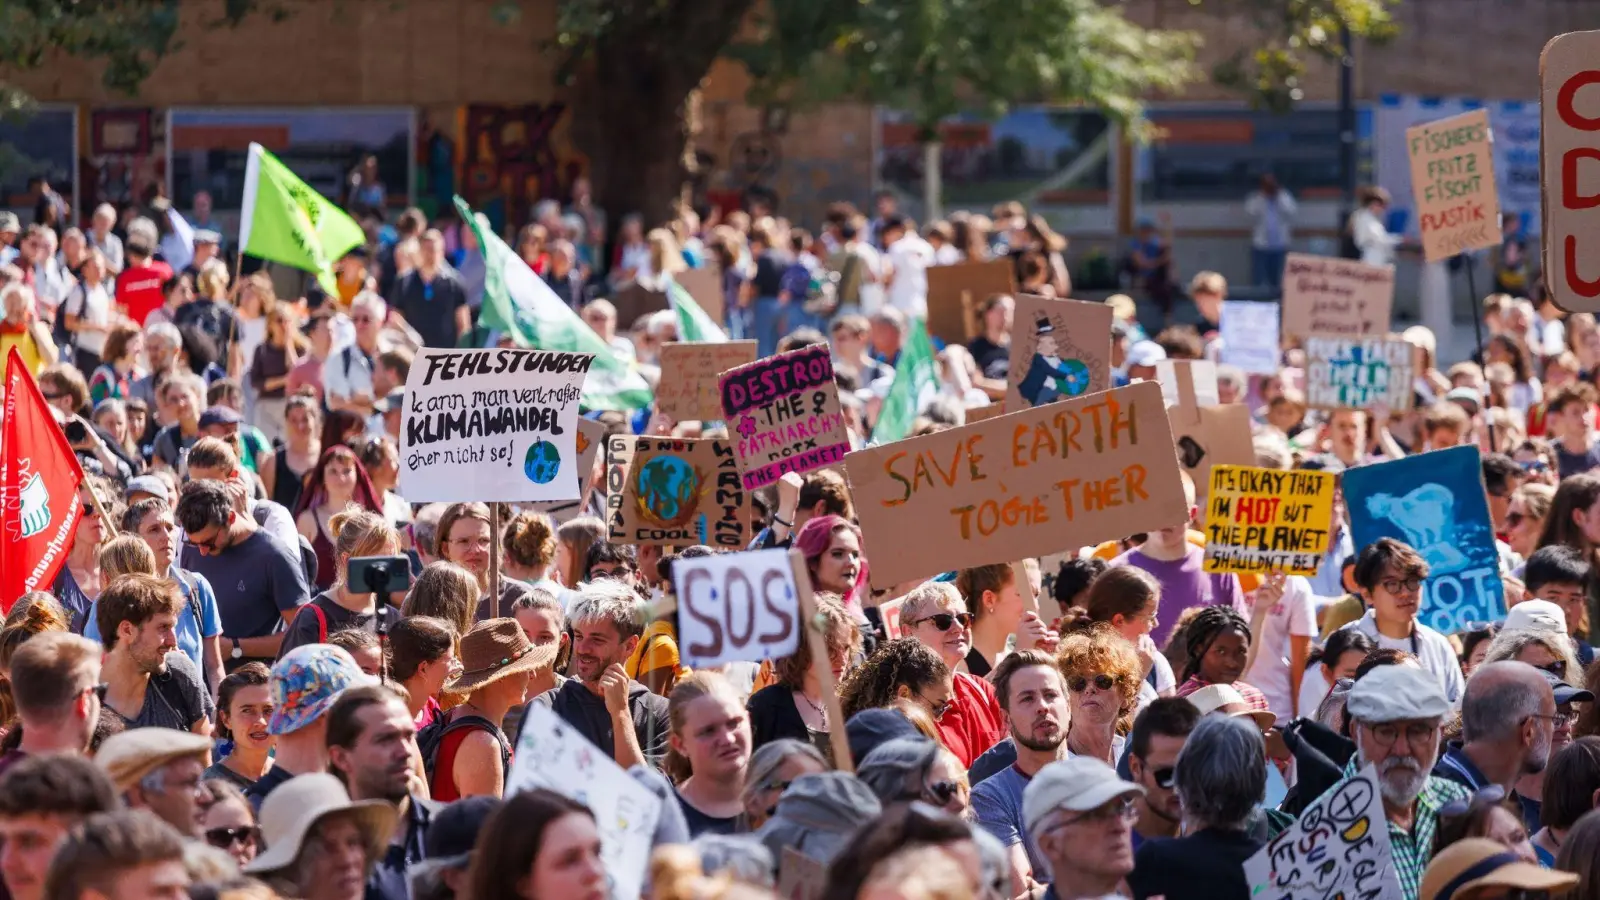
(1076,381)
(542,462)
(668,489)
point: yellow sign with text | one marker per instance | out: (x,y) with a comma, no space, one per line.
(1267,520)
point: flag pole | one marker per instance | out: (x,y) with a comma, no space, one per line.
(99,508)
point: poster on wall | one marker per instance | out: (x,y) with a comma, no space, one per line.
(209,147)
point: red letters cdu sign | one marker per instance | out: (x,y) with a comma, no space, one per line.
(1569,168)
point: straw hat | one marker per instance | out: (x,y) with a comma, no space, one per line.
(1472,864)
(1214,697)
(292,810)
(493,649)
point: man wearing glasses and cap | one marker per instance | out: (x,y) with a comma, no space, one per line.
(1395,715)
(1080,816)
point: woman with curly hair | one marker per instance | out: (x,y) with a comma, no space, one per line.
(1102,673)
(900,668)
(792,706)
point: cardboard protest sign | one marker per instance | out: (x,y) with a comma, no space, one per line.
(1059,349)
(553,755)
(783,415)
(800,877)
(977,414)
(1435,502)
(956,294)
(1358,373)
(688,388)
(634,301)
(670,492)
(1323,295)
(591,438)
(1250,336)
(1339,847)
(1206,434)
(1071,473)
(491,425)
(737,607)
(1569,179)
(1452,176)
(705,289)
(1267,520)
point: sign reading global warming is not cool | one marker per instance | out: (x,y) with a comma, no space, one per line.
(483,425)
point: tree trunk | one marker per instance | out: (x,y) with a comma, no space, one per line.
(631,100)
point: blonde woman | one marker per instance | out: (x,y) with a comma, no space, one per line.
(357,532)
(81,580)
(89,313)
(708,752)
(126,554)
(279,352)
(210,311)
(445,591)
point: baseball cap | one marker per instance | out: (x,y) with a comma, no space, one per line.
(1537,615)
(1469,864)
(135,753)
(9,222)
(1077,784)
(454,830)
(870,728)
(147,484)
(1465,395)
(206,236)
(219,415)
(1146,353)
(1566,693)
(306,681)
(1394,693)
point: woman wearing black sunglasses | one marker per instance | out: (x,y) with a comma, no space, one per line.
(228,822)
(1103,674)
(971,723)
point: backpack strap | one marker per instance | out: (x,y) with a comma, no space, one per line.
(191,590)
(322,622)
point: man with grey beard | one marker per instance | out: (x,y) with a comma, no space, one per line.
(1395,715)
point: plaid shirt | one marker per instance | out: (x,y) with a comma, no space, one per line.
(1412,849)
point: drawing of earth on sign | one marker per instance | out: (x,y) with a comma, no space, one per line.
(1427,516)
(667,490)
(542,462)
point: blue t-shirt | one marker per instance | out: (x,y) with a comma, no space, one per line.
(199,619)
(997,807)
(255,581)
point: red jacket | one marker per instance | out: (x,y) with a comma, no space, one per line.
(973,723)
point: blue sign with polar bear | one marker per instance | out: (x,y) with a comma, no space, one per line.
(1435,502)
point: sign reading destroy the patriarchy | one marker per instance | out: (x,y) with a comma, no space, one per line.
(1452,175)
(783,415)
(491,425)
(1358,373)
(665,491)
(1339,847)
(1436,503)
(1267,520)
(1325,295)
(1068,474)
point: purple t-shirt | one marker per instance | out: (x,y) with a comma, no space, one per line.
(1183,585)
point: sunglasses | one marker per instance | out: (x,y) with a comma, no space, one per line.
(223,838)
(1535,466)
(1483,797)
(943,621)
(942,792)
(938,709)
(1513,519)
(1163,777)
(1078,683)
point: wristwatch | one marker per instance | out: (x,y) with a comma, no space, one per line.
(238,651)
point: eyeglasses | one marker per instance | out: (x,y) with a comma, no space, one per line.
(941,792)
(1402,585)
(1078,683)
(1535,466)
(470,543)
(943,621)
(1385,733)
(1559,717)
(224,838)
(1513,519)
(938,709)
(1163,777)
(1121,808)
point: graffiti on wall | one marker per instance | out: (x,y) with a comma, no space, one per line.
(127,158)
(755,167)
(511,160)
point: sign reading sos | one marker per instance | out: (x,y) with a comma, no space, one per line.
(736,607)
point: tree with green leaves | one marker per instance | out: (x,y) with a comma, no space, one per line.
(631,67)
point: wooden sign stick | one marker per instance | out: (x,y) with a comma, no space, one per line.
(821,664)
(100,508)
(1030,600)
(494,560)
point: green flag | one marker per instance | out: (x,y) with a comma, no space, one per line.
(285,220)
(916,380)
(519,303)
(693,322)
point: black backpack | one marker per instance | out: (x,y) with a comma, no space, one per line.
(432,736)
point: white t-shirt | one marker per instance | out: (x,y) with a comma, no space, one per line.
(871,287)
(1314,688)
(910,258)
(1294,615)
(1431,648)
(93,306)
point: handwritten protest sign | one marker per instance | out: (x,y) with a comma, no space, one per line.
(1267,520)
(1206,433)
(737,607)
(1452,176)
(688,389)
(674,492)
(554,756)
(591,439)
(1250,336)
(1358,373)
(1435,502)
(1323,295)
(1072,473)
(491,425)
(1569,179)
(1059,349)
(1339,847)
(783,415)
(956,294)
(800,877)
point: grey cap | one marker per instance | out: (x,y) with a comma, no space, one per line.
(893,765)
(818,813)
(1397,693)
(147,484)
(741,855)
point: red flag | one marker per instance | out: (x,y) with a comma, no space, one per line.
(39,479)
